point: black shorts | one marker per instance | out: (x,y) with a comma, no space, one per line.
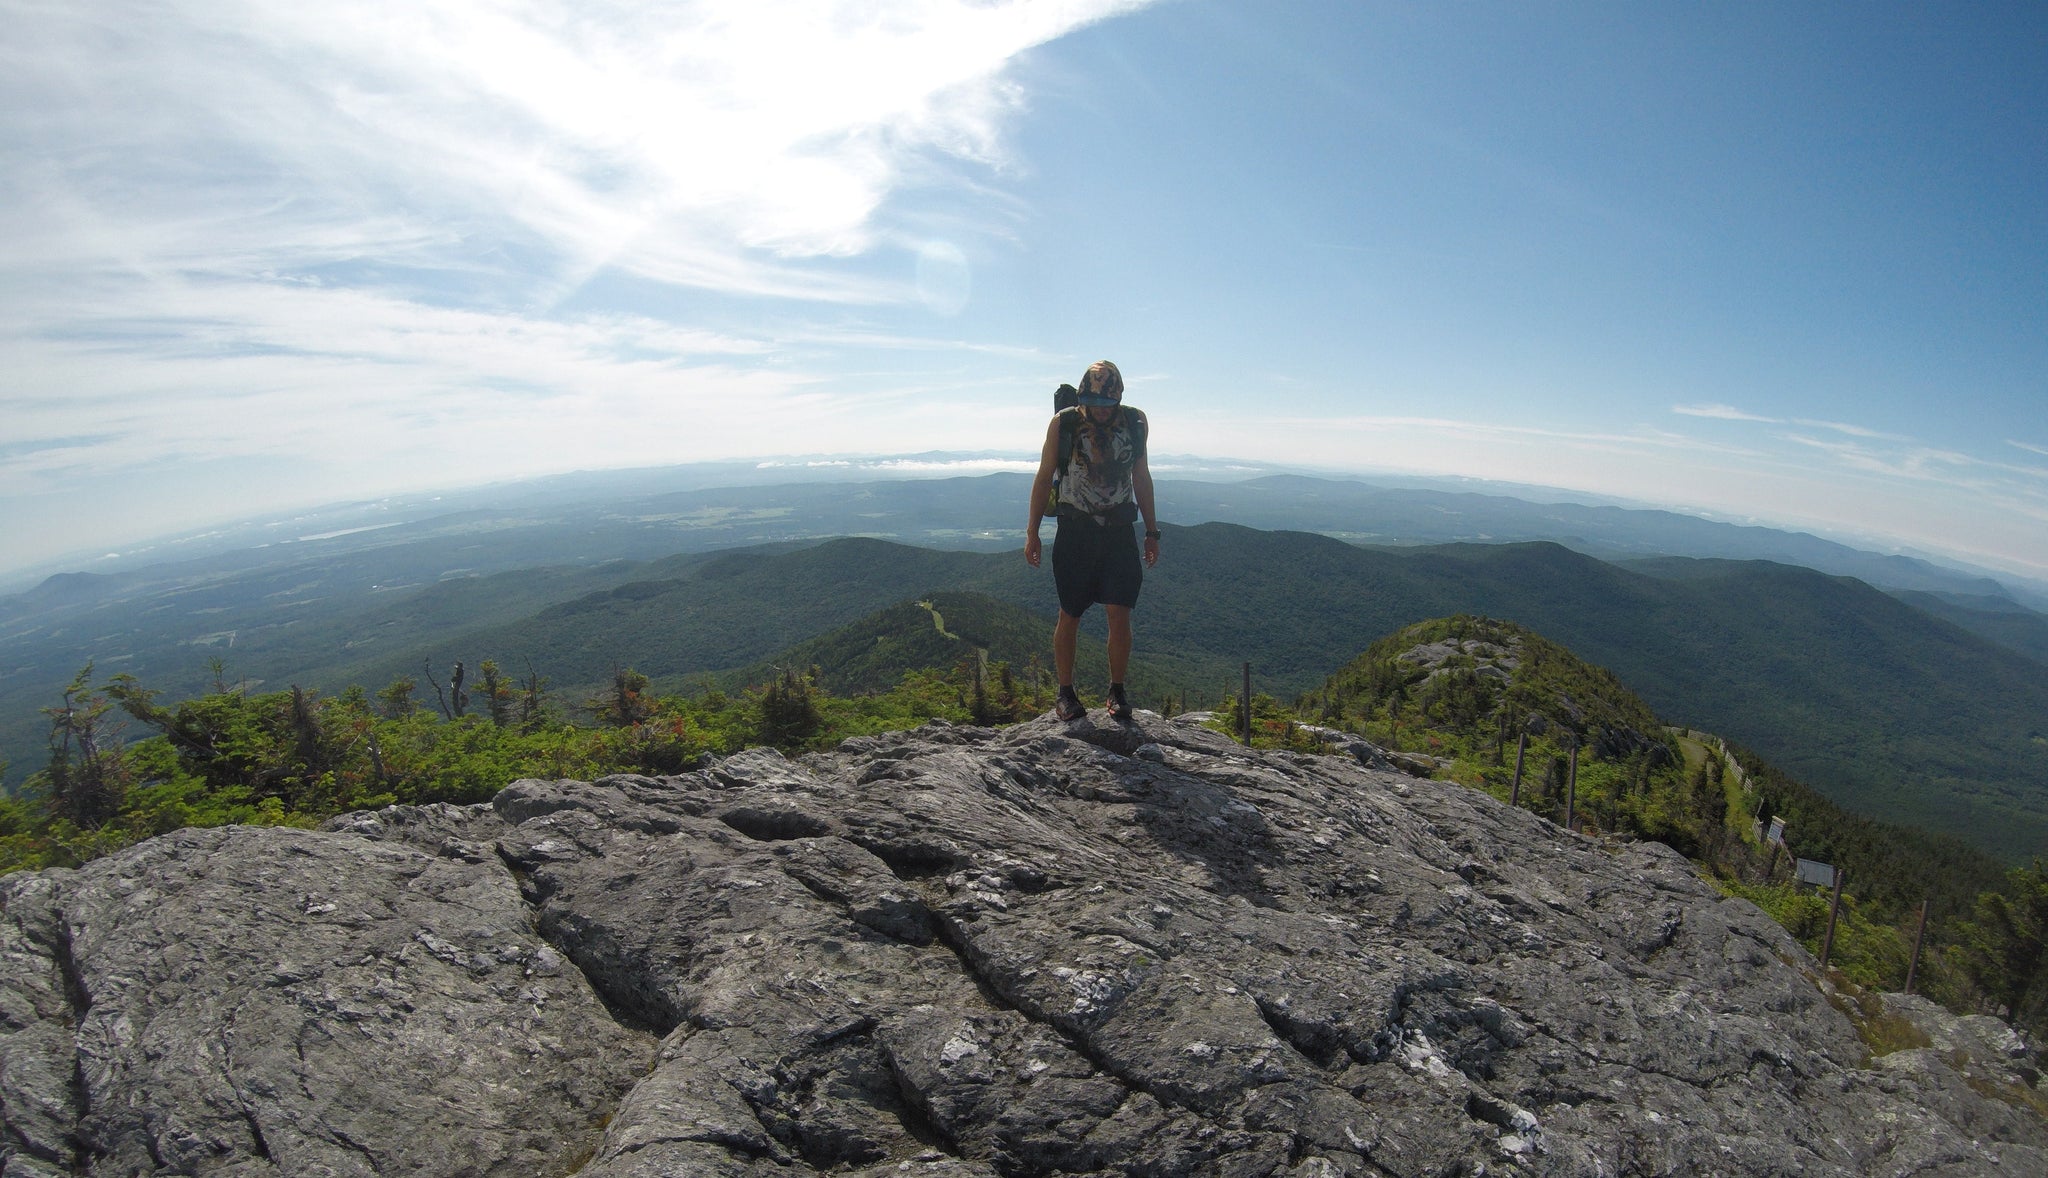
(1093,563)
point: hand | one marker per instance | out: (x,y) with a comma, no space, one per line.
(1032,547)
(1151,551)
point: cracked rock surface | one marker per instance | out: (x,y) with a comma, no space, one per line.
(1086,949)
(253,1001)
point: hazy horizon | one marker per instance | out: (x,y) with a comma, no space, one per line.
(1782,264)
(290,526)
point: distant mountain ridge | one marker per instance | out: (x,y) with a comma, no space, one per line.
(1997,619)
(650,514)
(1367,513)
(1888,711)
(376,602)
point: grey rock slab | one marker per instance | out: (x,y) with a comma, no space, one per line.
(279,1001)
(1094,948)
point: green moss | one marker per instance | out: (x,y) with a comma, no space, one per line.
(1881,1031)
(2019,1096)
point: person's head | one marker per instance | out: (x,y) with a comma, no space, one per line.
(1102,390)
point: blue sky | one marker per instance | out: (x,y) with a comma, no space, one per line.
(1782,262)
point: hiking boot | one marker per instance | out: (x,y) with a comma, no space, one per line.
(1119,707)
(1069,706)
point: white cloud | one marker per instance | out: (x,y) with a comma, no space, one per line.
(1854,431)
(955,466)
(1935,499)
(1643,441)
(715,144)
(1720,413)
(349,247)
(726,145)
(350,232)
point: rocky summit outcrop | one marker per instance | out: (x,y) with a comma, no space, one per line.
(1092,949)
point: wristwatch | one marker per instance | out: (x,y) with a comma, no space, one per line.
(1152,534)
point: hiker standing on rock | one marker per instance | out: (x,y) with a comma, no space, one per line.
(1092,474)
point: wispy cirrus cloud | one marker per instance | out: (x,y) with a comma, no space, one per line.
(1914,462)
(1857,448)
(1841,482)
(365,232)
(1864,450)
(715,144)
(1853,431)
(1720,412)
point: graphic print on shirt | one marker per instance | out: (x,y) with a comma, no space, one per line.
(1098,476)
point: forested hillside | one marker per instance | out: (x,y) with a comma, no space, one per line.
(1999,620)
(946,630)
(1885,709)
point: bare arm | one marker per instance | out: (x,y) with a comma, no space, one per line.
(1041,486)
(1141,486)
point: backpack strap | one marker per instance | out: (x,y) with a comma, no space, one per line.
(1070,435)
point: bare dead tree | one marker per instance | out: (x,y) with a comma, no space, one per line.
(439,695)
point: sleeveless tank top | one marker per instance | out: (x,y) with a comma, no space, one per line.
(1097,478)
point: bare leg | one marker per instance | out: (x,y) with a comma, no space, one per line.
(1119,641)
(1065,633)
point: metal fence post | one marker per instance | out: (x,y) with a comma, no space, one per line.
(1913,969)
(1246,700)
(1521,748)
(1571,795)
(1827,944)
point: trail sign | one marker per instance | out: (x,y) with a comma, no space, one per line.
(1820,875)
